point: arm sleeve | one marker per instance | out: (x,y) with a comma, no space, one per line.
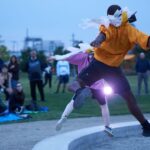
(105,31)
(57,69)
(77,59)
(66,56)
(138,37)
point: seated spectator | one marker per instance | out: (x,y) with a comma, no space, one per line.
(16,101)
(5,82)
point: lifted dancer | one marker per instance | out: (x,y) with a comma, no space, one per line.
(82,60)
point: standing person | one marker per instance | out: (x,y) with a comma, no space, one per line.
(48,75)
(34,68)
(110,47)
(63,72)
(142,67)
(82,60)
(13,68)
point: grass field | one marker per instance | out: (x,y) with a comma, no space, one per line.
(57,102)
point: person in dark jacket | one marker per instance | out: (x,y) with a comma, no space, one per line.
(34,68)
(13,68)
(142,67)
(17,98)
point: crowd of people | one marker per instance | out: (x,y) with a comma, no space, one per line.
(39,74)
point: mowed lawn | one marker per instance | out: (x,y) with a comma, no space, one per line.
(57,102)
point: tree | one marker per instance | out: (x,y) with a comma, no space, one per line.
(59,50)
(4,53)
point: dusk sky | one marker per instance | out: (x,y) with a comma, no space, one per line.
(58,19)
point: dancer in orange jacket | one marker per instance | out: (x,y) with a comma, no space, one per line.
(111,45)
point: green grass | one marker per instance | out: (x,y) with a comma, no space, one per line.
(57,102)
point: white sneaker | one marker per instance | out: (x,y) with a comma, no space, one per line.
(60,123)
(108,130)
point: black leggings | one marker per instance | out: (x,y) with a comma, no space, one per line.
(116,79)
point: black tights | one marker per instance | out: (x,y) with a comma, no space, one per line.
(133,106)
(131,103)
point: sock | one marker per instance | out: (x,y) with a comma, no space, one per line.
(105,115)
(69,108)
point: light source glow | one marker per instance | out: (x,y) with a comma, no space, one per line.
(107,90)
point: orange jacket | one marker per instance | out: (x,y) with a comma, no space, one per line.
(118,42)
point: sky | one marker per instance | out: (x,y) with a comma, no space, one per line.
(59,19)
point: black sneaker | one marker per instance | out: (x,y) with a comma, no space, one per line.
(146,133)
(146,129)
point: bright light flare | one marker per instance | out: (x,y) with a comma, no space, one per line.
(107,90)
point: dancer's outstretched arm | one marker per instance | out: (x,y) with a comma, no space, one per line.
(99,40)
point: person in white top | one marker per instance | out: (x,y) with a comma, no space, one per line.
(62,72)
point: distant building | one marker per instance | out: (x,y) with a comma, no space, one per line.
(33,42)
(50,46)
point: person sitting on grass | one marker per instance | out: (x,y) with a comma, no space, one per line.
(5,82)
(16,101)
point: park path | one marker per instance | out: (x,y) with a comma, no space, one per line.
(23,136)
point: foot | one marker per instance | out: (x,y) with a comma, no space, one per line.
(146,129)
(146,133)
(108,130)
(60,123)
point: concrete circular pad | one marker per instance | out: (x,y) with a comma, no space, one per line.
(127,135)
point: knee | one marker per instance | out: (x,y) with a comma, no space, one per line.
(81,97)
(77,105)
(81,82)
